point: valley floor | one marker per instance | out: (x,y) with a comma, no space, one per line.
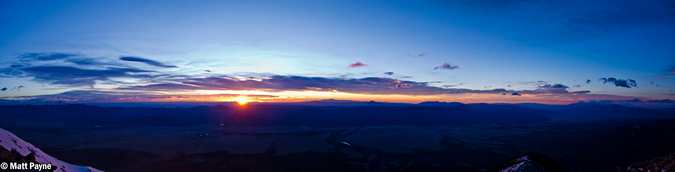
(364,148)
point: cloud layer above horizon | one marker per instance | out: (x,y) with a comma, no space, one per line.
(78,70)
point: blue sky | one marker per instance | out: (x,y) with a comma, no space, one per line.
(494,43)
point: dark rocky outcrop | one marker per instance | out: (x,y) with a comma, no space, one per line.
(664,163)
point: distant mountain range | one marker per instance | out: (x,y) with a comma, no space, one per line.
(331,113)
(281,115)
(326,102)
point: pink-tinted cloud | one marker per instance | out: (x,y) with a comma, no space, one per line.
(447,66)
(357,64)
(403,85)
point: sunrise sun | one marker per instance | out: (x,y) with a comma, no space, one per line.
(242,100)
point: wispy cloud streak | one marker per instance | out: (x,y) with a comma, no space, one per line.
(147,61)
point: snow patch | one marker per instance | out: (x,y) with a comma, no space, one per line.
(11,142)
(515,167)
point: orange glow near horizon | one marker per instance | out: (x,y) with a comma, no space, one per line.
(242,100)
(245,97)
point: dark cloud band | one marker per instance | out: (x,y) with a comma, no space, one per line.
(620,82)
(147,61)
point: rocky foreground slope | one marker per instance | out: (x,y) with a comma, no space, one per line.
(664,163)
(15,152)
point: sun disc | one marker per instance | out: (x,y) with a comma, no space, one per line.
(242,100)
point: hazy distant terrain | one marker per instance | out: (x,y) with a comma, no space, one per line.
(347,138)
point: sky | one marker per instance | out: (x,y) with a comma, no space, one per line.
(550,52)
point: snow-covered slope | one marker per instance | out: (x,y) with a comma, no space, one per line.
(12,144)
(529,162)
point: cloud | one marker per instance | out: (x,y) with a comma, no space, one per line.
(610,101)
(553,86)
(159,86)
(653,83)
(661,101)
(18,88)
(619,82)
(72,76)
(168,87)
(634,100)
(277,83)
(9,71)
(447,66)
(93,71)
(44,56)
(417,55)
(357,64)
(71,70)
(515,94)
(147,61)
(450,86)
(107,96)
(670,75)
(86,62)
(534,83)
(372,85)
(553,89)
(389,73)
(102,72)
(403,85)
